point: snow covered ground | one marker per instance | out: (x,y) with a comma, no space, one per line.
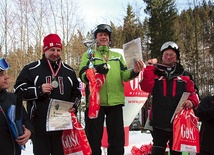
(136,138)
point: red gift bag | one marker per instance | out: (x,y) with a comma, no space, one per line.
(74,141)
(145,149)
(96,81)
(136,151)
(186,132)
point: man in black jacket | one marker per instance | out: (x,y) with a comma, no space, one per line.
(205,112)
(43,80)
(8,144)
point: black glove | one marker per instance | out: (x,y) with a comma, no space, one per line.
(102,68)
(76,104)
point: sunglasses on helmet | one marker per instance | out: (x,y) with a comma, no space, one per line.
(104,27)
(3,64)
(169,44)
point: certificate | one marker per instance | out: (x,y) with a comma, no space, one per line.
(58,117)
(132,52)
(179,107)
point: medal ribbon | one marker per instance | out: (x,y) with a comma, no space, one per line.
(105,57)
(52,71)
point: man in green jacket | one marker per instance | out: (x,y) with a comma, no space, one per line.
(112,65)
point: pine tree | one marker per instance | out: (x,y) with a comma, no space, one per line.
(132,27)
(161,23)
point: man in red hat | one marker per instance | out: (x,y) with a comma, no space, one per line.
(43,80)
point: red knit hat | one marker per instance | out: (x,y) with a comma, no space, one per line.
(51,40)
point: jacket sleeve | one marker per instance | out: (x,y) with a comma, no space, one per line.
(127,74)
(147,83)
(83,67)
(190,87)
(76,92)
(205,110)
(24,83)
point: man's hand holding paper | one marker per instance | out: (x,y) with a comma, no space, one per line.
(138,66)
(187,104)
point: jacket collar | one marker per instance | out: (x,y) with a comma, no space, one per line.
(176,70)
(3,94)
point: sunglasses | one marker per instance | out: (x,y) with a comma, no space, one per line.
(3,64)
(169,44)
(104,27)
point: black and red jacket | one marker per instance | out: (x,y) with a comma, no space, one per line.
(167,86)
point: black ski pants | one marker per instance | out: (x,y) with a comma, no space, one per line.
(160,140)
(47,144)
(113,115)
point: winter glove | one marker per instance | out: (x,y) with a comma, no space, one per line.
(76,104)
(102,68)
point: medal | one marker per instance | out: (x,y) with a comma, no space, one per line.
(54,83)
(108,66)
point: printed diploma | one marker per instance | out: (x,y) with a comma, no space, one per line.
(132,52)
(58,117)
